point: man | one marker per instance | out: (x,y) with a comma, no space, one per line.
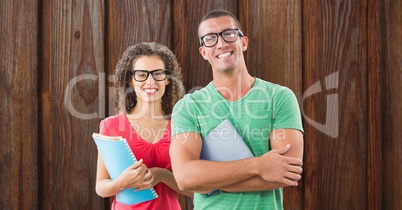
(266,116)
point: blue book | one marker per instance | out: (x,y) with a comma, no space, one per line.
(117,156)
(224,143)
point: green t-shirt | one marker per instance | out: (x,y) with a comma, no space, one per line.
(264,108)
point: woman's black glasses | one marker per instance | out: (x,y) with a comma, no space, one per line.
(142,75)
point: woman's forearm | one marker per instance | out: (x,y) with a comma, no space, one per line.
(107,188)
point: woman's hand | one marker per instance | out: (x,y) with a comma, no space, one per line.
(149,181)
(134,176)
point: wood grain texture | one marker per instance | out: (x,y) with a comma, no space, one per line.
(375,125)
(335,57)
(72,63)
(391,69)
(19,104)
(274,31)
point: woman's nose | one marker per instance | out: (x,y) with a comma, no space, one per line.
(150,79)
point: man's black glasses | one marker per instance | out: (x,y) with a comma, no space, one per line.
(228,35)
(142,75)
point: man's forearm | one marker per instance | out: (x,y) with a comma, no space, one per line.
(255,183)
(201,175)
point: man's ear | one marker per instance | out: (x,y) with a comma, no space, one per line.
(244,42)
(202,52)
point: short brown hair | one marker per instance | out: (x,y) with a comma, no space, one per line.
(216,14)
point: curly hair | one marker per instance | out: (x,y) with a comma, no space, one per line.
(125,98)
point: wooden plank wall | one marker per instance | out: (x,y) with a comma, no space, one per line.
(19,104)
(335,55)
(72,60)
(343,60)
(385,36)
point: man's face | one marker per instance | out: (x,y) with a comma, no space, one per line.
(223,56)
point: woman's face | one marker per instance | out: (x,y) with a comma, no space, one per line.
(150,90)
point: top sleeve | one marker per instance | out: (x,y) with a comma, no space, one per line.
(286,111)
(102,128)
(184,118)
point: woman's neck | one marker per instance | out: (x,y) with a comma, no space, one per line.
(150,111)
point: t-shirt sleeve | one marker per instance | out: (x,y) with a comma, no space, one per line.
(102,128)
(286,111)
(112,126)
(184,118)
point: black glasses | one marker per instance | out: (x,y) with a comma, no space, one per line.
(142,75)
(229,35)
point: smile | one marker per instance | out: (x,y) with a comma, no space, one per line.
(224,55)
(153,90)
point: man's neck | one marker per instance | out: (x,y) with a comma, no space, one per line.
(234,86)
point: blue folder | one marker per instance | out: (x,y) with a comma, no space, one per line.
(117,156)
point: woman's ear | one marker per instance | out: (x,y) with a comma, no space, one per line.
(131,83)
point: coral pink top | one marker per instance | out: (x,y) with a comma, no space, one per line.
(153,155)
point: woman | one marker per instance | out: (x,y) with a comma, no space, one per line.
(147,85)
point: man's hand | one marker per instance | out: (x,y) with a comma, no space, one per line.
(275,167)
